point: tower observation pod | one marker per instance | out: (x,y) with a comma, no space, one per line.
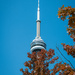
(38,44)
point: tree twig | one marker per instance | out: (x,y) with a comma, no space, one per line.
(65,57)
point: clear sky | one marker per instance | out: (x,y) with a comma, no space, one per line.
(18,29)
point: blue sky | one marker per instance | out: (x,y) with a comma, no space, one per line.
(18,29)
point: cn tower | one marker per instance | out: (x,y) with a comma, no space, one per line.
(38,44)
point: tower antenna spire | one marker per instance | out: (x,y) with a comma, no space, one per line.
(38,3)
(38,11)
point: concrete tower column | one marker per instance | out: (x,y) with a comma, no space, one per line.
(38,29)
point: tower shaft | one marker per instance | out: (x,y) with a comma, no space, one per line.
(38,29)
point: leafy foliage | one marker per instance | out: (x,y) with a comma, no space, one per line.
(63,69)
(70,49)
(40,61)
(70,13)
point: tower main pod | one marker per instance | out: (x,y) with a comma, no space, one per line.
(38,44)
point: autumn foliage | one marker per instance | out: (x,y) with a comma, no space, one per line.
(39,64)
(68,12)
(70,49)
(63,69)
